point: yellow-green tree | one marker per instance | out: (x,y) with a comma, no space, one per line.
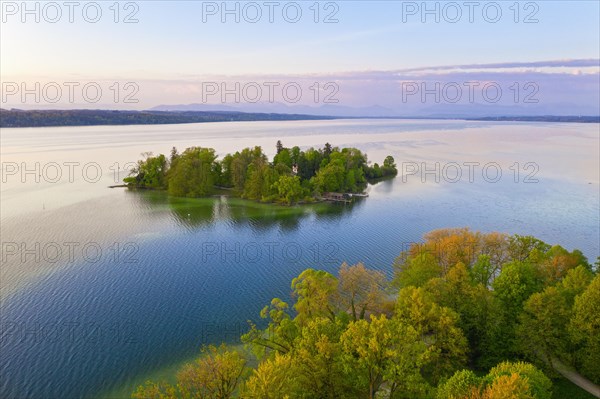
(505,381)
(316,357)
(215,375)
(416,270)
(274,378)
(542,331)
(585,330)
(437,327)
(538,385)
(384,351)
(289,189)
(482,254)
(316,295)
(155,390)
(508,387)
(279,335)
(361,291)
(463,384)
(479,311)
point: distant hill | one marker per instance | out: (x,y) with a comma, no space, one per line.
(48,118)
(415,109)
(374,111)
(547,118)
(40,118)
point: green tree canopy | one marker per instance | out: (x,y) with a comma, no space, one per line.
(192,173)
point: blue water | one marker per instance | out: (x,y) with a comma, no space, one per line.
(187,273)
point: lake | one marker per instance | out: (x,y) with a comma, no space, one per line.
(102,288)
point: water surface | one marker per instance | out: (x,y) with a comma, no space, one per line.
(118,285)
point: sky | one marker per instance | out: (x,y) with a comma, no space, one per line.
(367,53)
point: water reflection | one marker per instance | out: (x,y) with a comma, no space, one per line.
(385,186)
(197,213)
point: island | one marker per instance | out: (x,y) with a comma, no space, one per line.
(293,176)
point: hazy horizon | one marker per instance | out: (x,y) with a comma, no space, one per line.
(368,58)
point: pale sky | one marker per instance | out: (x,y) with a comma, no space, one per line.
(175,45)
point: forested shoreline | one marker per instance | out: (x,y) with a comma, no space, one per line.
(292,176)
(467,315)
(15,118)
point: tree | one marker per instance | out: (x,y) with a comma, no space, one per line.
(408,356)
(374,172)
(482,271)
(295,154)
(239,170)
(389,167)
(361,290)
(383,351)
(283,157)
(416,270)
(575,283)
(279,146)
(149,173)
(327,150)
(538,385)
(268,190)
(280,333)
(482,254)
(254,178)
(274,378)
(517,282)
(437,326)
(239,165)
(542,331)
(192,173)
(309,163)
(521,247)
(389,162)
(504,381)
(317,360)
(451,246)
(289,189)
(315,292)
(215,375)
(461,385)
(174,155)
(350,181)
(154,390)
(584,329)
(226,171)
(260,180)
(331,178)
(557,261)
(508,387)
(472,302)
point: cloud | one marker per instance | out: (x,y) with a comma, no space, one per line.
(509,65)
(512,88)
